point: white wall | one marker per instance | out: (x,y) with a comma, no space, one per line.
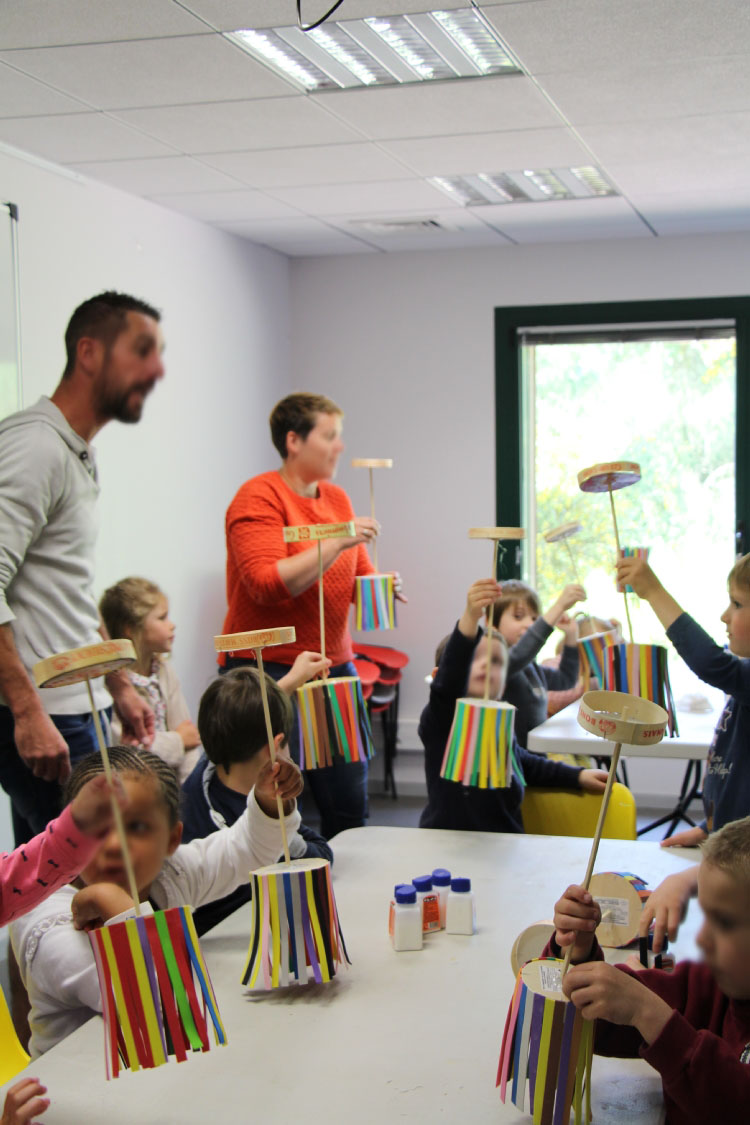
(166,482)
(405,344)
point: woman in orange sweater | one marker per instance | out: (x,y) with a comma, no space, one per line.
(271,583)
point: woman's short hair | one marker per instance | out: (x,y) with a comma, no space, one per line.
(298,412)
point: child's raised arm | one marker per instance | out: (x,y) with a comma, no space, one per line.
(638,574)
(570,595)
(307,666)
(481,595)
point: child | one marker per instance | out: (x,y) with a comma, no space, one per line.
(462,664)
(693,1024)
(36,870)
(726,787)
(233,732)
(55,959)
(516,614)
(137,609)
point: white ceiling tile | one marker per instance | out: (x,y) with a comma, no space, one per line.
(226,206)
(21,96)
(673,88)
(557,35)
(696,212)
(317,164)
(698,139)
(240,125)
(230,15)
(72,138)
(300,237)
(148,72)
(428,109)
(158,176)
(489,152)
(363,198)
(569,220)
(48,23)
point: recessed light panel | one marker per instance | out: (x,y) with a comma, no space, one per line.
(381,50)
(527,186)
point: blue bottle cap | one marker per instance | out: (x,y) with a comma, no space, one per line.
(406,892)
(441,877)
(423,883)
(461,885)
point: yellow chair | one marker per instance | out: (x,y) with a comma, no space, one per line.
(13,1058)
(568,812)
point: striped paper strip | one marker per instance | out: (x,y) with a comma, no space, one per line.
(548,1044)
(334,724)
(375,602)
(295,932)
(479,750)
(148,968)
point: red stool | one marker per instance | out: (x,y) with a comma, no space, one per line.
(383,698)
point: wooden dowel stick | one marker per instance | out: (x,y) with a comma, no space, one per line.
(573,562)
(597,836)
(617,541)
(116,812)
(490,626)
(372,514)
(272,748)
(321,605)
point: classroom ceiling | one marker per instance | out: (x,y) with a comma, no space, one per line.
(148,96)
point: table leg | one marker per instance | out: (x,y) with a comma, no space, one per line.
(689,791)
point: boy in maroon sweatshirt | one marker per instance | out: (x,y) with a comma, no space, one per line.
(692,1025)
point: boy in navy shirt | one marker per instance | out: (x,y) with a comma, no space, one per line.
(233,732)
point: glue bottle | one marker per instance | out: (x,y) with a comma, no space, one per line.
(441,882)
(405,921)
(429,903)
(460,912)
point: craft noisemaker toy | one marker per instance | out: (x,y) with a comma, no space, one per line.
(546,1040)
(479,750)
(294,922)
(609,477)
(333,719)
(563,534)
(375,604)
(148,966)
(636,669)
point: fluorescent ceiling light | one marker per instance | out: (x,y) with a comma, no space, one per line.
(527,186)
(382,50)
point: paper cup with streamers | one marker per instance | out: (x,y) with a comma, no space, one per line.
(479,751)
(150,968)
(334,723)
(295,936)
(636,669)
(375,604)
(548,1044)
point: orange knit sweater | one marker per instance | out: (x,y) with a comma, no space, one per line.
(256,596)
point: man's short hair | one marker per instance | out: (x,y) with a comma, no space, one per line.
(298,412)
(739,575)
(103,317)
(231,722)
(514,590)
(729,850)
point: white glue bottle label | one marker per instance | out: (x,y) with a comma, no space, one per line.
(430,904)
(441,884)
(460,912)
(405,919)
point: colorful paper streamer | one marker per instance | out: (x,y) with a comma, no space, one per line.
(548,1044)
(375,604)
(479,751)
(640,670)
(334,724)
(148,968)
(295,935)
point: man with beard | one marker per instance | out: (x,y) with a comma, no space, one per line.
(48,492)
